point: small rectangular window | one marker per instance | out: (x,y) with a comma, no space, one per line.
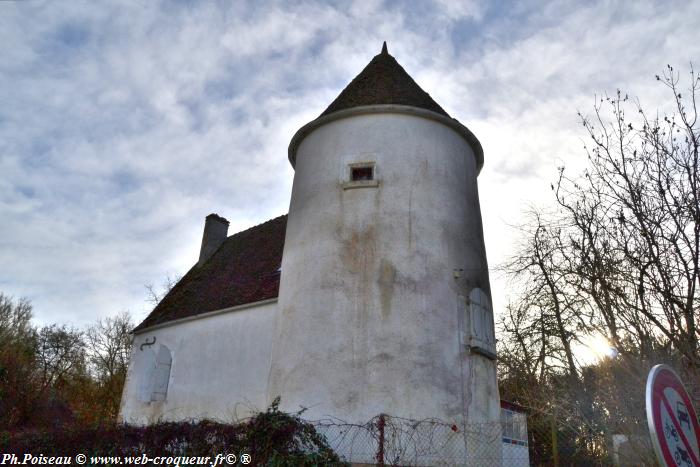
(365,173)
(361,174)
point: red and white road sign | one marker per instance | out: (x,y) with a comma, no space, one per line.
(673,423)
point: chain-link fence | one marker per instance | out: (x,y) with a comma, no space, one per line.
(560,441)
(388,440)
(515,441)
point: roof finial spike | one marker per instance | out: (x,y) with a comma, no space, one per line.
(384,49)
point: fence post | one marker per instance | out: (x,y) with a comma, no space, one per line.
(555,447)
(380,448)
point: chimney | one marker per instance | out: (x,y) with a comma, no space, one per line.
(215,232)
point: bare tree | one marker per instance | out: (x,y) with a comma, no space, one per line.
(60,352)
(636,216)
(15,320)
(546,315)
(58,374)
(619,255)
(155,294)
(108,344)
(17,348)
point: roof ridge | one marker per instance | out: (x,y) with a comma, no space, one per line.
(256,226)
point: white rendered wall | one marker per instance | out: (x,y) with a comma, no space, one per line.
(219,371)
(370,312)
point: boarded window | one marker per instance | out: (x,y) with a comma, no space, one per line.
(147,367)
(161,374)
(480,333)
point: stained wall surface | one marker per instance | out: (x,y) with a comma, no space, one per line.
(219,370)
(372,309)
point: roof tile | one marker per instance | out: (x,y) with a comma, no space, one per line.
(383,81)
(245,269)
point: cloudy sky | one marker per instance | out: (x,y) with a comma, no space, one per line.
(123,124)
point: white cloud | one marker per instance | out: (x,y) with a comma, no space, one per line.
(123,125)
(460,9)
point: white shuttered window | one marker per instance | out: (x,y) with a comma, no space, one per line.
(161,375)
(480,333)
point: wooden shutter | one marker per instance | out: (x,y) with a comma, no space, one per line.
(480,330)
(161,375)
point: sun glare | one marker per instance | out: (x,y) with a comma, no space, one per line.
(595,348)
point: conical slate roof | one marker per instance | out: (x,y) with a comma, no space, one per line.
(383,81)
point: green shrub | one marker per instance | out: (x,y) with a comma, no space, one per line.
(271,438)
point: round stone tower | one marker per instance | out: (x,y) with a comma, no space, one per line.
(384,296)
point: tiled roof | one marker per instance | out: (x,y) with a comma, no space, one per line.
(383,81)
(245,269)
